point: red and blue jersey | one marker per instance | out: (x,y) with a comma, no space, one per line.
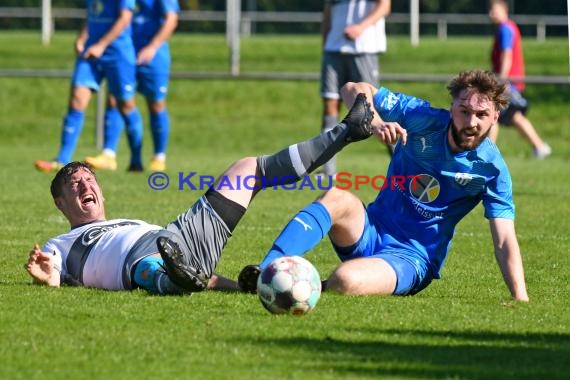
(508,37)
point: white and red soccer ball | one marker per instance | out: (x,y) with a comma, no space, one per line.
(289,285)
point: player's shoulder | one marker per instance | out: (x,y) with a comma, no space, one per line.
(387,99)
(489,152)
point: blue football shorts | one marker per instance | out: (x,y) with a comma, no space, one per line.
(411,269)
(152,78)
(120,75)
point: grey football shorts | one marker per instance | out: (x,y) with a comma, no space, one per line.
(517,102)
(337,69)
(204,234)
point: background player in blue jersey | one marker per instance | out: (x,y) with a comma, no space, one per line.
(104,49)
(399,242)
(154,21)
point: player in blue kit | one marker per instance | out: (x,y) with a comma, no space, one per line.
(154,21)
(104,50)
(398,243)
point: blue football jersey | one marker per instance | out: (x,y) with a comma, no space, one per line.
(101,15)
(148,18)
(430,188)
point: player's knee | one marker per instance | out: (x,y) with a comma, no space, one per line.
(339,202)
(126,106)
(244,167)
(156,107)
(79,100)
(343,281)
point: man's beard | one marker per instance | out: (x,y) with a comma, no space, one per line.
(461,143)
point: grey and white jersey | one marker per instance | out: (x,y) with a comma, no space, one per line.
(94,255)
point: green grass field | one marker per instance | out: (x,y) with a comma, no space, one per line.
(463,326)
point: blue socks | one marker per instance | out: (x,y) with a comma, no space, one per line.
(160,127)
(150,276)
(113,128)
(114,121)
(71,129)
(302,233)
(133,121)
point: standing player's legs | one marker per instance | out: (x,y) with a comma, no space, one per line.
(515,115)
(112,129)
(152,81)
(86,78)
(121,76)
(332,76)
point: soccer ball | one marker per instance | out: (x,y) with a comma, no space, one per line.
(289,285)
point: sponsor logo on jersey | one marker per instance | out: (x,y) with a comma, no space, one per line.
(426,190)
(390,101)
(97,7)
(463,179)
(424,144)
(91,235)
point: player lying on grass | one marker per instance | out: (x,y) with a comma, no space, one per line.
(398,243)
(124,254)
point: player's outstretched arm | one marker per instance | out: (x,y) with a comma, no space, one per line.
(387,132)
(40,266)
(508,255)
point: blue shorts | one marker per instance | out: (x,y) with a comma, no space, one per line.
(120,76)
(412,270)
(152,78)
(516,103)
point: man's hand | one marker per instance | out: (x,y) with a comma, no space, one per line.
(79,46)
(354,31)
(94,51)
(41,267)
(146,55)
(388,132)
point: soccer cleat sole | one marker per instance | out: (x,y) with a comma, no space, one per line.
(359,119)
(178,267)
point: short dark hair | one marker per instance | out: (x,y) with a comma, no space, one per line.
(483,82)
(64,174)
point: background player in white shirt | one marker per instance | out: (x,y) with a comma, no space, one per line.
(123,254)
(353,34)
